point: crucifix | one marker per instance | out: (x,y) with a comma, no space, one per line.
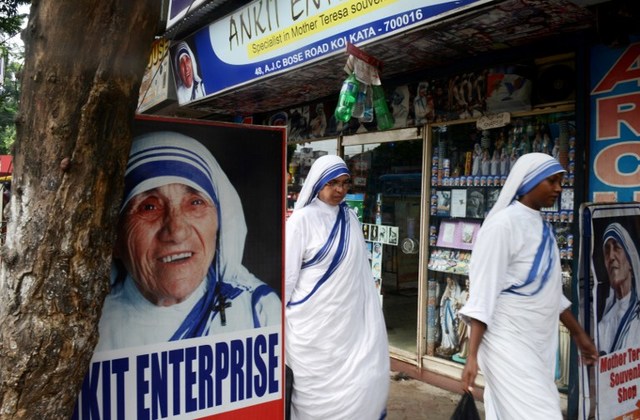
(221,306)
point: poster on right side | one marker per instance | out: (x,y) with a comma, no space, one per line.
(615,269)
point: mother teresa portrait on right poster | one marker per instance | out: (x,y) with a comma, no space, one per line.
(615,264)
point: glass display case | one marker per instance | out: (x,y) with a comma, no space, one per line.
(470,161)
(386,193)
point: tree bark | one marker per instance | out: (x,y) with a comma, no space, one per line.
(83,66)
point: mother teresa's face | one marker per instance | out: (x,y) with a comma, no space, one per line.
(166,240)
(186,70)
(618,267)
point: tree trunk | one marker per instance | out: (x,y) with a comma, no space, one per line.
(83,67)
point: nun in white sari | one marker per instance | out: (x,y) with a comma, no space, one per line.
(516,300)
(178,270)
(336,341)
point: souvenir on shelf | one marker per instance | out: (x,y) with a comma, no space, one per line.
(469,166)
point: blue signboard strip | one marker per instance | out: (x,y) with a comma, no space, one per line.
(219,74)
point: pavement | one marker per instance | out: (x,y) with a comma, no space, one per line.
(412,399)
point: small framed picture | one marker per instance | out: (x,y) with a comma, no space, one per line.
(382,234)
(447,235)
(444,202)
(365,231)
(459,203)
(377,251)
(393,235)
(475,202)
(373,233)
(467,232)
(566,199)
(492,197)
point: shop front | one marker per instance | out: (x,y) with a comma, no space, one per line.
(422,194)
(471,88)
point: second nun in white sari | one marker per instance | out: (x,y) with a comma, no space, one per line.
(336,340)
(515,298)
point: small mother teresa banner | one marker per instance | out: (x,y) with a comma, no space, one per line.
(192,326)
(611,244)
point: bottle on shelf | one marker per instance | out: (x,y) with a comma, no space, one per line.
(347,98)
(383,116)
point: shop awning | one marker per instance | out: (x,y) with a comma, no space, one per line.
(490,27)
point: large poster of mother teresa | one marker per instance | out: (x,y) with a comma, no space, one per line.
(192,326)
(615,265)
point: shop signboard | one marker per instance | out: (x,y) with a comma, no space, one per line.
(192,325)
(265,38)
(157,84)
(610,245)
(615,124)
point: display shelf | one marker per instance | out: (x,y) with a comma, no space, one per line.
(469,166)
(449,261)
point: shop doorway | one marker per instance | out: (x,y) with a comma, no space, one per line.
(387,180)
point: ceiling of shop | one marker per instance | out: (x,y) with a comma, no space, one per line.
(494,27)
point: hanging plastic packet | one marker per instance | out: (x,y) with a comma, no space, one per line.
(383,116)
(358,108)
(347,98)
(367,115)
(363,70)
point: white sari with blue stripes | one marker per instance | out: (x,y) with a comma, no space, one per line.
(516,290)
(336,341)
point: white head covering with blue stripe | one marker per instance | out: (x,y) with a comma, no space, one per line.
(529,170)
(323,170)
